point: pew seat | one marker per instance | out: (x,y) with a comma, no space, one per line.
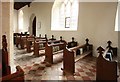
(81,56)
(56,52)
(17,76)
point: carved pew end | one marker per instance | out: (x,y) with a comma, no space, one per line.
(69,57)
(105,70)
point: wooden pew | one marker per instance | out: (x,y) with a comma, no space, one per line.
(5,64)
(37,39)
(49,49)
(72,43)
(30,40)
(106,70)
(33,41)
(52,38)
(21,40)
(37,47)
(113,49)
(15,35)
(39,44)
(43,38)
(43,42)
(17,39)
(6,71)
(61,40)
(58,41)
(18,76)
(69,57)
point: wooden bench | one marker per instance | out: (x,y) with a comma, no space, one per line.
(6,71)
(69,57)
(33,41)
(18,76)
(52,38)
(43,38)
(5,63)
(106,70)
(29,43)
(49,49)
(15,36)
(72,43)
(113,49)
(40,44)
(17,39)
(21,40)
(37,47)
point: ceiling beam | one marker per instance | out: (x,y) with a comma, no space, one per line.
(18,5)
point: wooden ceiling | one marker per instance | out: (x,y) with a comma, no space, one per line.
(18,4)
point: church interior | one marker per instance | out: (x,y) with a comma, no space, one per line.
(59,40)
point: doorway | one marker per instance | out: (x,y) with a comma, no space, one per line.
(34,26)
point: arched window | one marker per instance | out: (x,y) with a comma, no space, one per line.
(20,20)
(65,15)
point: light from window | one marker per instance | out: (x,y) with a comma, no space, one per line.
(117,21)
(65,15)
(20,19)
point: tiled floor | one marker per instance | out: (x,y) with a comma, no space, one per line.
(85,69)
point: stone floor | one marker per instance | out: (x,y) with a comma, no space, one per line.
(35,70)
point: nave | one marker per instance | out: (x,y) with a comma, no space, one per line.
(65,65)
(85,69)
(97,26)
